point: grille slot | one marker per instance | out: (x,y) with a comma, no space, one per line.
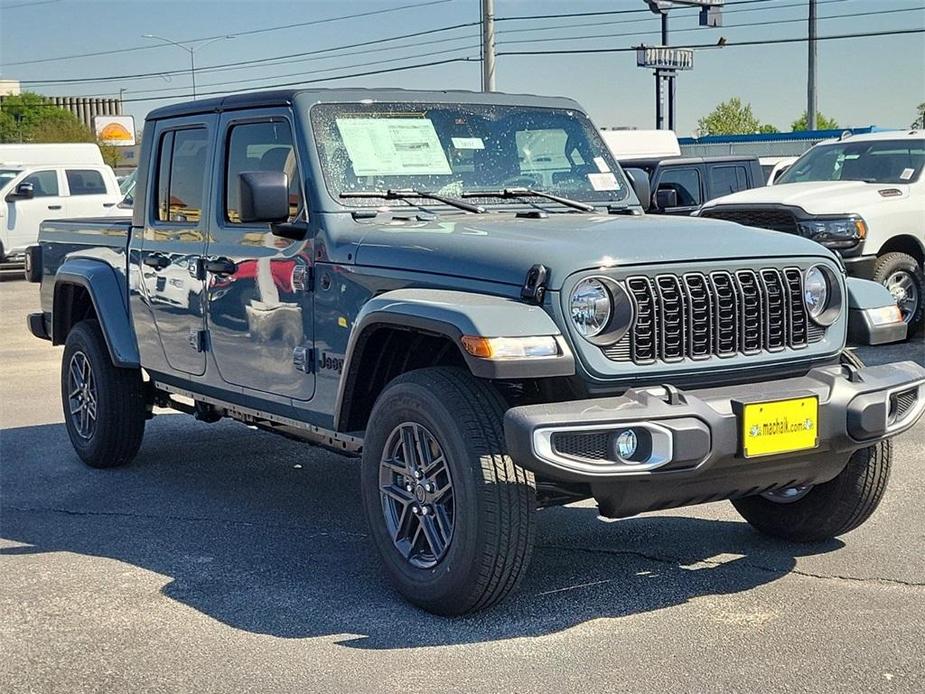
(901,403)
(589,446)
(776,219)
(720,314)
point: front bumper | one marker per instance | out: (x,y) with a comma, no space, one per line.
(695,452)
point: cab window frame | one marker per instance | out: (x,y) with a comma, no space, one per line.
(157,165)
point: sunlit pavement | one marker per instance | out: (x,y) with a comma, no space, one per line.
(226,560)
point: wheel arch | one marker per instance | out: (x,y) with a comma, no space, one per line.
(904,243)
(86,288)
(407,329)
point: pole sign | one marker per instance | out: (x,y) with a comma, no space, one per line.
(664,58)
(115,130)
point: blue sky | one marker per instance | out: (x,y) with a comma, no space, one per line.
(863,81)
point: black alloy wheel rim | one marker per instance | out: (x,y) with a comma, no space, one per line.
(905,292)
(81,399)
(416,490)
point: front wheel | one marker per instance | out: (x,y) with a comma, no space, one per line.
(451,515)
(104,405)
(813,514)
(904,277)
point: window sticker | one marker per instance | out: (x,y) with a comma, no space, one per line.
(468,143)
(603,181)
(393,146)
(907,174)
(601,165)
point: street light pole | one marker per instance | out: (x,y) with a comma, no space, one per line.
(811,70)
(189,49)
(488,45)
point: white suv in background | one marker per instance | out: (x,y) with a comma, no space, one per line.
(862,196)
(31,194)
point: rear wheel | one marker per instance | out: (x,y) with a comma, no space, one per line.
(903,276)
(104,405)
(451,515)
(824,511)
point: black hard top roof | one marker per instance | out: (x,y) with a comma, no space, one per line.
(681,161)
(286,97)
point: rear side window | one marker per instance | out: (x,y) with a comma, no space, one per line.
(181,175)
(260,147)
(686,182)
(85,182)
(728,179)
(44,183)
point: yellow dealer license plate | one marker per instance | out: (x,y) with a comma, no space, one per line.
(784,426)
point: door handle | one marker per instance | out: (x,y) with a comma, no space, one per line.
(158,261)
(109,204)
(54,207)
(219,266)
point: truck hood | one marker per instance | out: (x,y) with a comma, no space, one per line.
(816,197)
(498,247)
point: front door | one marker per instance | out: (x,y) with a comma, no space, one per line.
(175,240)
(260,309)
(23,216)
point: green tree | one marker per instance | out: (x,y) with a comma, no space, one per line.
(822,123)
(732,117)
(919,121)
(28,117)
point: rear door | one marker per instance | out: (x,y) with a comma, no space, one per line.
(87,193)
(726,179)
(260,310)
(23,216)
(175,238)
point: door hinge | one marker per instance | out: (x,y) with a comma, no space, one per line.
(303,358)
(199,340)
(303,278)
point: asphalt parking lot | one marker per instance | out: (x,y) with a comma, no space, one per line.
(226,559)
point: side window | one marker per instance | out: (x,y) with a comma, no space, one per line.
(728,179)
(180,176)
(44,183)
(260,147)
(85,182)
(685,182)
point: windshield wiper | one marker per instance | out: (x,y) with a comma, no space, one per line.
(406,194)
(508,193)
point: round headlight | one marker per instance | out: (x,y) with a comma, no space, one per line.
(590,307)
(815,291)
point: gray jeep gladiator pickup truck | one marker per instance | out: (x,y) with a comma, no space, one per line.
(464,291)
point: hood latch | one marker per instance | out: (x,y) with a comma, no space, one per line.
(534,288)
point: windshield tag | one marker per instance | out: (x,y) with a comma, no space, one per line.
(468,143)
(601,165)
(907,174)
(603,181)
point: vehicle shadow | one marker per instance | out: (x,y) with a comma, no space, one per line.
(266,535)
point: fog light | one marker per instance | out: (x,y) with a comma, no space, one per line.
(626,444)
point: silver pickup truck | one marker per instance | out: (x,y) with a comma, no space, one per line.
(464,291)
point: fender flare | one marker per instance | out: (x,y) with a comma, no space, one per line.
(864,297)
(108,294)
(452,314)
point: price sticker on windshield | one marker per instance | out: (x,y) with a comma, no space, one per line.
(603,181)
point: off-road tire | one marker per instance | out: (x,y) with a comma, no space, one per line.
(120,401)
(495,499)
(830,509)
(889,263)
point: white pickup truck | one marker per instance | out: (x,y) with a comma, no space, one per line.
(862,196)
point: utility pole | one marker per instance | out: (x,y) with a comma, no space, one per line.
(811,76)
(488,45)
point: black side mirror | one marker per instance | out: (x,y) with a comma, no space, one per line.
(666,198)
(264,196)
(639,179)
(24,191)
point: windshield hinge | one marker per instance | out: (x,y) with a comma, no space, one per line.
(534,288)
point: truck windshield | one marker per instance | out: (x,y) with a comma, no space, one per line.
(879,161)
(454,149)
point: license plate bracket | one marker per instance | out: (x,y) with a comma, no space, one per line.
(779,426)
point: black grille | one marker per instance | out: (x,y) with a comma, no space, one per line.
(778,220)
(901,403)
(591,446)
(722,313)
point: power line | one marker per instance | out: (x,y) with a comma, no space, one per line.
(256,61)
(760,42)
(248,32)
(608,12)
(801,20)
(314,81)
